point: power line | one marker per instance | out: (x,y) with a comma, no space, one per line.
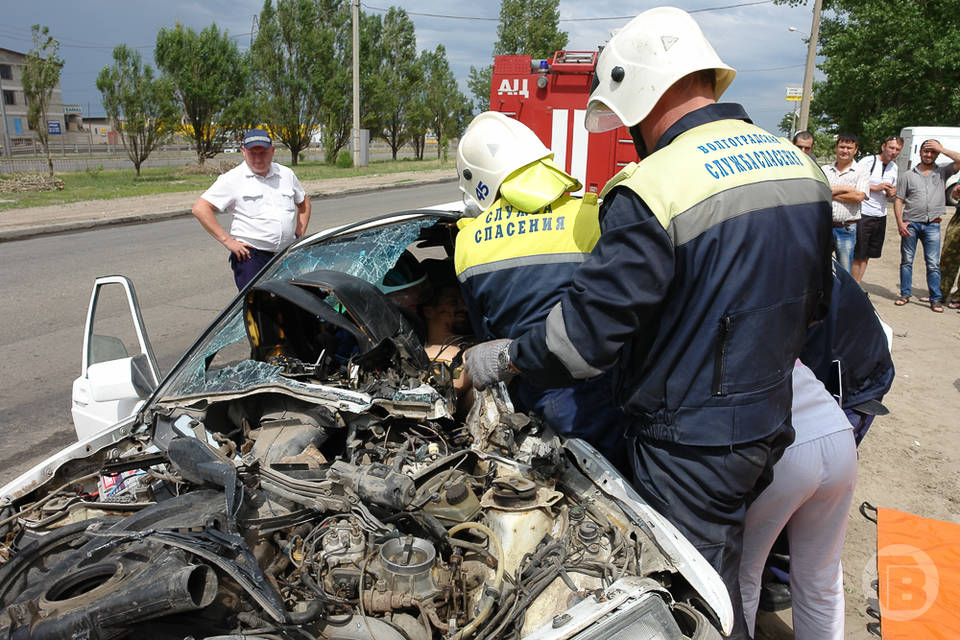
(792,66)
(630,17)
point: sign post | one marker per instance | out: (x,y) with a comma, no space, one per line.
(794,95)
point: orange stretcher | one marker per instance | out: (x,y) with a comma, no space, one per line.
(918,566)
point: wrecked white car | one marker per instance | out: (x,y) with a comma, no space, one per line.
(303,473)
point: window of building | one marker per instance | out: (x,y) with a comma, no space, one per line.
(9,97)
(6,72)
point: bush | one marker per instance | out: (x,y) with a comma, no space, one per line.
(344,159)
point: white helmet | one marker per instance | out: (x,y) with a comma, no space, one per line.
(493,147)
(642,61)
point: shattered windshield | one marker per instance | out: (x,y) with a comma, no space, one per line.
(221,363)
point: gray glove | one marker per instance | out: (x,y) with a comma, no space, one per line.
(488,362)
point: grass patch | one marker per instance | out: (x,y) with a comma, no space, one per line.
(105,184)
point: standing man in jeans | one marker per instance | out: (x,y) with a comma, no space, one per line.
(882,171)
(918,207)
(849,186)
(269,207)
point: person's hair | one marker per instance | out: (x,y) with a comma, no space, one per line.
(802,135)
(846,137)
(897,138)
(928,140)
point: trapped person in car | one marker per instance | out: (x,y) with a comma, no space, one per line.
(269,207)
(714,258)
(517,257)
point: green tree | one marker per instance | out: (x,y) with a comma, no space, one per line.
(291,54)
(212,83)
(529,27)
(887,65)
(336,113)
(40,74)
(444,106)
(143,108)
(398,76)
(787,124)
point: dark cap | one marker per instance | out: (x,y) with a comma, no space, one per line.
(257,138)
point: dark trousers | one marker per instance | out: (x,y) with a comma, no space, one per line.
(705,492)
(244,271)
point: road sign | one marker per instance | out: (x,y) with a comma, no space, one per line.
(794,94)
(53,127)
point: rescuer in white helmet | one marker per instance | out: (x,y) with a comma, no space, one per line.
(713,259)
(515,259)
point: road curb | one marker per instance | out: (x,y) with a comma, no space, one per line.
(53,228)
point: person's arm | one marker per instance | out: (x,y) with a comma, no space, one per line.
(206,214)
(303,216)
(848,194)
(953,155)
(619,287)
(898,212)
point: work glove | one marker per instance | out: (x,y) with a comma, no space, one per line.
(488,363)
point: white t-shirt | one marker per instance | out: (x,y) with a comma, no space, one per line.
(264,208)
(876,202)
(815,412)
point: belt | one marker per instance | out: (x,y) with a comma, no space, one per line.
(839,225)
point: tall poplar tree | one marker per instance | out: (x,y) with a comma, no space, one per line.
(398,77)
(142,107)
(527,27)
(211,78)
(40,75)
(293,57)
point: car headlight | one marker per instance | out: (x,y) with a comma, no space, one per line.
(632,608)
(647,619)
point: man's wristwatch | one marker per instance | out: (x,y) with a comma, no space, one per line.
(503,362)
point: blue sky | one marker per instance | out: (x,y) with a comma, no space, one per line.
(753,39)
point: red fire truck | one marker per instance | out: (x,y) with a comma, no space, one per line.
(550,97)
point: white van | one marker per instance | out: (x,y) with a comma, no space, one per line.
(913,137)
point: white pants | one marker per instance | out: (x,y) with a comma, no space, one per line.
(810,494)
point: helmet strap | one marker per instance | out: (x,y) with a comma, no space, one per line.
(638,143)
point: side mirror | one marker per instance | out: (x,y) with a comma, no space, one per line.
(141,376)
(119,379)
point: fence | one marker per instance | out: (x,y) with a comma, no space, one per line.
(82,157)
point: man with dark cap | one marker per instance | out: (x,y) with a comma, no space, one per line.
(269,207)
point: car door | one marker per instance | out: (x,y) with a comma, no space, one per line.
(118,370)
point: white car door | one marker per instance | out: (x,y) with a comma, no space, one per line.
(112,383)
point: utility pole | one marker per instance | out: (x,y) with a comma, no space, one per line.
(7,151)
(356,82)
(808,71)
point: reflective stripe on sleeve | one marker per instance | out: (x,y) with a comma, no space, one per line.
(559,344)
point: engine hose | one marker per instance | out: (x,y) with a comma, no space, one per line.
(490,595)
(314,611)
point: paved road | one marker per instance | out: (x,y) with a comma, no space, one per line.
(182,280)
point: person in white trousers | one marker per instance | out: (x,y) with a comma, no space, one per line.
(810,494)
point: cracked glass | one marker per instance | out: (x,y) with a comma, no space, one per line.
(220,363)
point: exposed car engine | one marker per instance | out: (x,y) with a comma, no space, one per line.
(344,499)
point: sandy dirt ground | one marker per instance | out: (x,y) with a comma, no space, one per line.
(910,459)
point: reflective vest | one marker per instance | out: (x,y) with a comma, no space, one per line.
(723,157)
(514,265)
(748,216)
